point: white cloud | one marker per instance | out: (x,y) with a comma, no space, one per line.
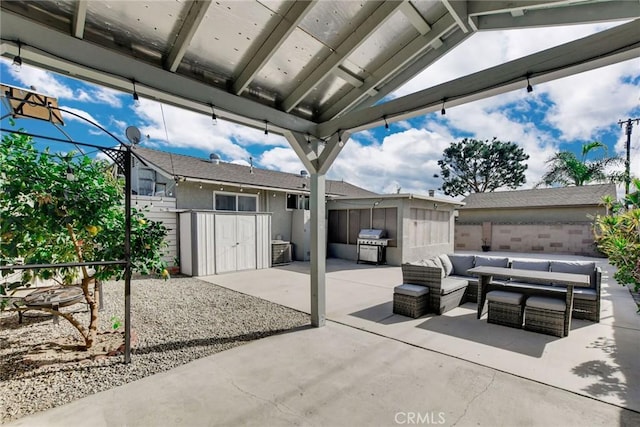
(51,84)
(407,159)
(281,159)
(107,96)
(99,95)
(473,54)
(573,110)
(80,113)
(44,82)
(587,104)
(187,129)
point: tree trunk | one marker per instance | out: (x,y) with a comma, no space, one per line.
(90,336)
(92,301)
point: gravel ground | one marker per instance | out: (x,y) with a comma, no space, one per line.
(176,321)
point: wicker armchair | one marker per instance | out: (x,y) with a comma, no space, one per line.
(444,293)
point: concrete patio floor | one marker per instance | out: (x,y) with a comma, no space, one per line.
(370,367)
(598,360)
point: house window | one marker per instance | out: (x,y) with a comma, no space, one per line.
(161,189)
(235,202)
(297,201)
(247,203)
(146,182)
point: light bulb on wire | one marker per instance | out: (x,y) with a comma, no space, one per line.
(136,97)
(17,60)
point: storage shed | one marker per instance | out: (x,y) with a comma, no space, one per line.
(417,226)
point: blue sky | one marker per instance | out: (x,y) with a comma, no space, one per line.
(558,115)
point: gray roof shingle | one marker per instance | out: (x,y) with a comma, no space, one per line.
(198,168)
(541,197)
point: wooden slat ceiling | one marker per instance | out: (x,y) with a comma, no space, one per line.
(314,67)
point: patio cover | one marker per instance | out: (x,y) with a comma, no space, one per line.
(313,71)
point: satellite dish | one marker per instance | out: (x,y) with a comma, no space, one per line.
(133,135)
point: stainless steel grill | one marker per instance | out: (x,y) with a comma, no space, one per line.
(372,246)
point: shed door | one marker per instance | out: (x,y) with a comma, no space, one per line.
(246,238)
(235,243)
(226,243)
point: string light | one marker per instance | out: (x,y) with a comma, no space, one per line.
(17,60)
(529,87)
(443,111)
(266,128)
(136,98)
(386,124)
(340,143)
(214,117)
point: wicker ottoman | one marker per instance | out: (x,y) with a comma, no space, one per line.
(545,315)
(505,308)
(410,300)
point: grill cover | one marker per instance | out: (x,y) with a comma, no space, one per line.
(371,233)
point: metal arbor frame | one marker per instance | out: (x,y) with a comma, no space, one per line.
(121,157)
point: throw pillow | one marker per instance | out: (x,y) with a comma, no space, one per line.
(461,263)
(446,264)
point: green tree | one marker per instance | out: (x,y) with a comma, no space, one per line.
(62,208)
(474,166)
(565,168)
(618,236)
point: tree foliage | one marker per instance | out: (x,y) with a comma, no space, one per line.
(64,208)
(565,168)
(475,166)
(618,235)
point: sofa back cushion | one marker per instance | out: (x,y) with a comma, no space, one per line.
(576,267)
(446,264)
(461,263)
(536,265)
(489,261)
(531,264)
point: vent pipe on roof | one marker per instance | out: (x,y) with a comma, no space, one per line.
(432,193)
(304,173)
(214,158)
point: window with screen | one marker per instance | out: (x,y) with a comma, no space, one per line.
(225,202)
(297,201)
(292,201)
(248,203)
(146,181)
(235,202)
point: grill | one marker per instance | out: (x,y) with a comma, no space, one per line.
(372,246)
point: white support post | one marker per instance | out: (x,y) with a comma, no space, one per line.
(318,250)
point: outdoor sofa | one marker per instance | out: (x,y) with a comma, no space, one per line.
(450,285)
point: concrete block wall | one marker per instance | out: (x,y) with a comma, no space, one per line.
(571,238)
